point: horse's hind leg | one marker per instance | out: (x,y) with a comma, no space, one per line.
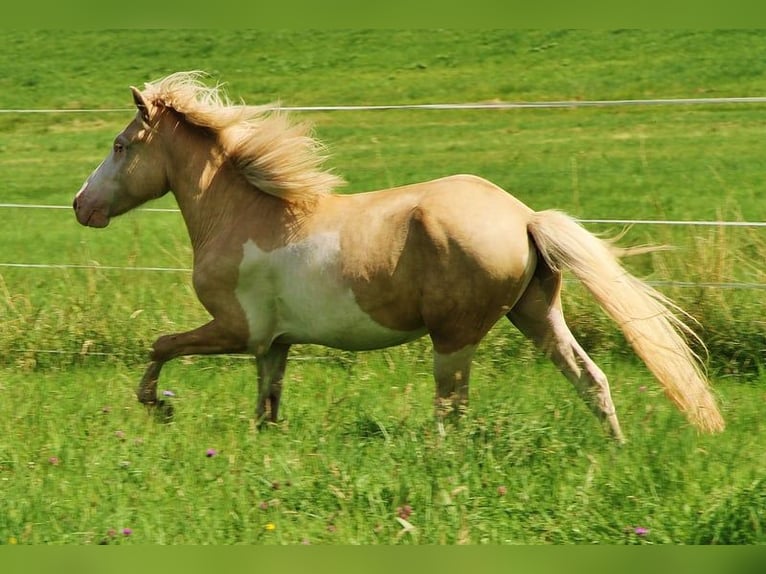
(538,315)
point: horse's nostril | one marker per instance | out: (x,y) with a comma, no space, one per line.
(74,204)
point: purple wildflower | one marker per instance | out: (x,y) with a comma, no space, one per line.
(127,531)
(211,452)
(54,460)
(641,531)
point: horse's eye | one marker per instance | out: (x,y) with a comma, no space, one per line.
(118,147)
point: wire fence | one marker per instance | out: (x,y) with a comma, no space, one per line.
(447,106)
(574,104)
(655,283)
(675,222)
(551,105)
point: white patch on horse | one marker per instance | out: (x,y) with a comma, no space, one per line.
(295,294)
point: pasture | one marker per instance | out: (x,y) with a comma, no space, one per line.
(357,459)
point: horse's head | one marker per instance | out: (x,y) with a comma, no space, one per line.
(133,172)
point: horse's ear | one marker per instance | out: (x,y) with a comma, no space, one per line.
(138,98)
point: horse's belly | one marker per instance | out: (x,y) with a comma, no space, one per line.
(327,314)
(352,331)
(295,294)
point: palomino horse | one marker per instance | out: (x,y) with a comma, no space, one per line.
(279,259)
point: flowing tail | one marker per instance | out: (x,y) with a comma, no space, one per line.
(648,319)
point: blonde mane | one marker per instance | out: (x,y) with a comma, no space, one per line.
(275,155)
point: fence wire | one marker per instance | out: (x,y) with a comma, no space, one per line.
(425,107)
(447,106)
(117,268)
(676,222)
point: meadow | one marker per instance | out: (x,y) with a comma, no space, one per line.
(357,459)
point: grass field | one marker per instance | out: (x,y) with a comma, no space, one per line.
(357,459)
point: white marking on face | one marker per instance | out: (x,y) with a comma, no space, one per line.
(87,180)
(296,293)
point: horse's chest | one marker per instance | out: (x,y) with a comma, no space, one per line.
(296,293)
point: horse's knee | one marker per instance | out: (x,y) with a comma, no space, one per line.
(161,347)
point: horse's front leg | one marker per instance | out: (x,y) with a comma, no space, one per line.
(271,370)
(147,388)
(147,392)
(212,338)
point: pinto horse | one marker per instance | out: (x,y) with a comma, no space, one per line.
(280,259)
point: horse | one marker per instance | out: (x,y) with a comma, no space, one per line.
(281,258)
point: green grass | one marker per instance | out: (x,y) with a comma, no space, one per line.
(527,465)
(358,441)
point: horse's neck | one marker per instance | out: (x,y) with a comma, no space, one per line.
(215,199)
(206,194)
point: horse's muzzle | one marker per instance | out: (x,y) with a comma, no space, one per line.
(88,215)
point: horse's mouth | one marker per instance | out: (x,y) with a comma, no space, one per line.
(95,218)
(98,219)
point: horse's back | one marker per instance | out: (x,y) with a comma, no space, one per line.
(460,190)
(473,212)
(463,208)
(460,216)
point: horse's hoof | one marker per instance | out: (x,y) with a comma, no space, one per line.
(164,412)
(264,423)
